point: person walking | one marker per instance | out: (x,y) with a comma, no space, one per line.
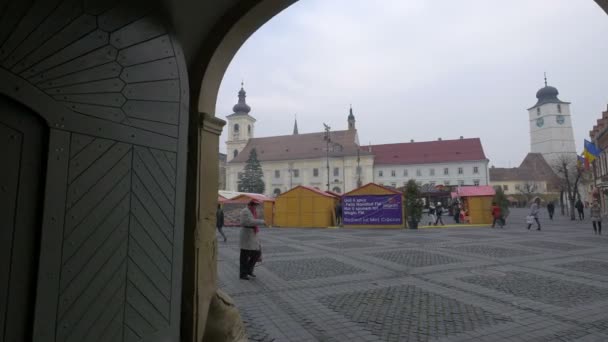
(581,209)
(439,212)
(249,242)
(456,212)
(432,217)
(338,211)
(596,218)
(534,209)
(551,209)
(219,221)
(497,215)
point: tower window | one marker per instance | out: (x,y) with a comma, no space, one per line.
(336,171)
(538,111)
(315,172)
(249,129)
(559,108)
(235,153)
(236,127)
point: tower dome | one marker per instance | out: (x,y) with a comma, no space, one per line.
(547,94)
(242,107)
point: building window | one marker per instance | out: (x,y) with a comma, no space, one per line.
(394,185)
(236,128)
(358,170)
(446,171)
(235,153)
(559,108)
(336,171)
(393,173)
(405,173)
(276,192)
(277,174)
(446,182)
(475,169)
(538,111)
(337,190)
(296,173)
(476,182)
(505,187)
(418,172)
(432,172)
(460,171)
(315,172)
(380,173)
(461,182)
(517,186)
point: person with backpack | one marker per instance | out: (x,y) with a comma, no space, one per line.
(439,212)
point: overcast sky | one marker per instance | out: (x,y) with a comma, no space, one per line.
(423,69)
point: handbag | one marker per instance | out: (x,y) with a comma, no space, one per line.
(529,219)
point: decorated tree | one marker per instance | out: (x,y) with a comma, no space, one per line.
(413,204)
(252,177)
(501,200)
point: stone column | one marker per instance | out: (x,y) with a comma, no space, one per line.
(210,130)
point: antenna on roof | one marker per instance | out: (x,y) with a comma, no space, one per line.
(545,79)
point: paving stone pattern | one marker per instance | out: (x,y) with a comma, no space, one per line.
(438,284)
(491,251)
(312,268)
(551,245)
(414,258)
(409,313)
(541,288)
(588,266)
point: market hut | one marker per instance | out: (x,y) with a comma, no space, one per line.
(267,203)
(373,206)
(304,206)
(477,201)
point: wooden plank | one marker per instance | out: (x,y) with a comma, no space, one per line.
(112,85)
(145,282)
(79,142)
(103,71)
(156,127)
(83,160)
(143,221)
(152,186)
(165,183)
(167,90)
(136,32)
(152,208)
(164,69)
(52,237)
(150,274)
(102,56)
(154,49)
(166,112)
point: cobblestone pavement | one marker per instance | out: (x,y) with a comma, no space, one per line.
(455,284)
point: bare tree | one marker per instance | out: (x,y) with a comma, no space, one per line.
(528,190)
(570,173)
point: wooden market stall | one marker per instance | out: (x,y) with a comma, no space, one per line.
(373,206)
(304,206)
(267,203)
(477,202)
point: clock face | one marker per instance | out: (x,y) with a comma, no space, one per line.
(540,122)
(560,119)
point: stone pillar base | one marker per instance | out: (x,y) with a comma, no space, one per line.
(224,323)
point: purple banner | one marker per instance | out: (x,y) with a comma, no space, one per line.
(372,210)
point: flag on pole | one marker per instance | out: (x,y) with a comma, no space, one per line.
(580,161)
(591,151)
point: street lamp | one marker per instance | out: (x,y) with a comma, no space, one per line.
(327,141)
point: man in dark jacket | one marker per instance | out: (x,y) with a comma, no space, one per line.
(219,221)
(581,209)
(338,210)
(551,210)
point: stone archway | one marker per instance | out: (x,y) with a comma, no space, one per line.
(215,56)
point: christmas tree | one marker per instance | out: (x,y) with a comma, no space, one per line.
(252,178)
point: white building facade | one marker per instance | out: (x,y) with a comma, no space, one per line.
(550,120)
(442,162)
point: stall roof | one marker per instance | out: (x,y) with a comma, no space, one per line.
(257,197)
(376,185)
(472,191)
(322,193)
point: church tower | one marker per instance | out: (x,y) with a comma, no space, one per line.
(551,131)
(351,120)
(240,126)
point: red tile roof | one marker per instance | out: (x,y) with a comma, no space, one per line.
(301,146)
(428,152)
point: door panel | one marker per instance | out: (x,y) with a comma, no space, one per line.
(21,179)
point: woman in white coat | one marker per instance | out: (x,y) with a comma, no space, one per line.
(249,242)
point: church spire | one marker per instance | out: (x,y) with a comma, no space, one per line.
(295,126)
(545,79)
(242,107)
(351,119)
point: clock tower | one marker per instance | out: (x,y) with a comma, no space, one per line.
(551,131)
